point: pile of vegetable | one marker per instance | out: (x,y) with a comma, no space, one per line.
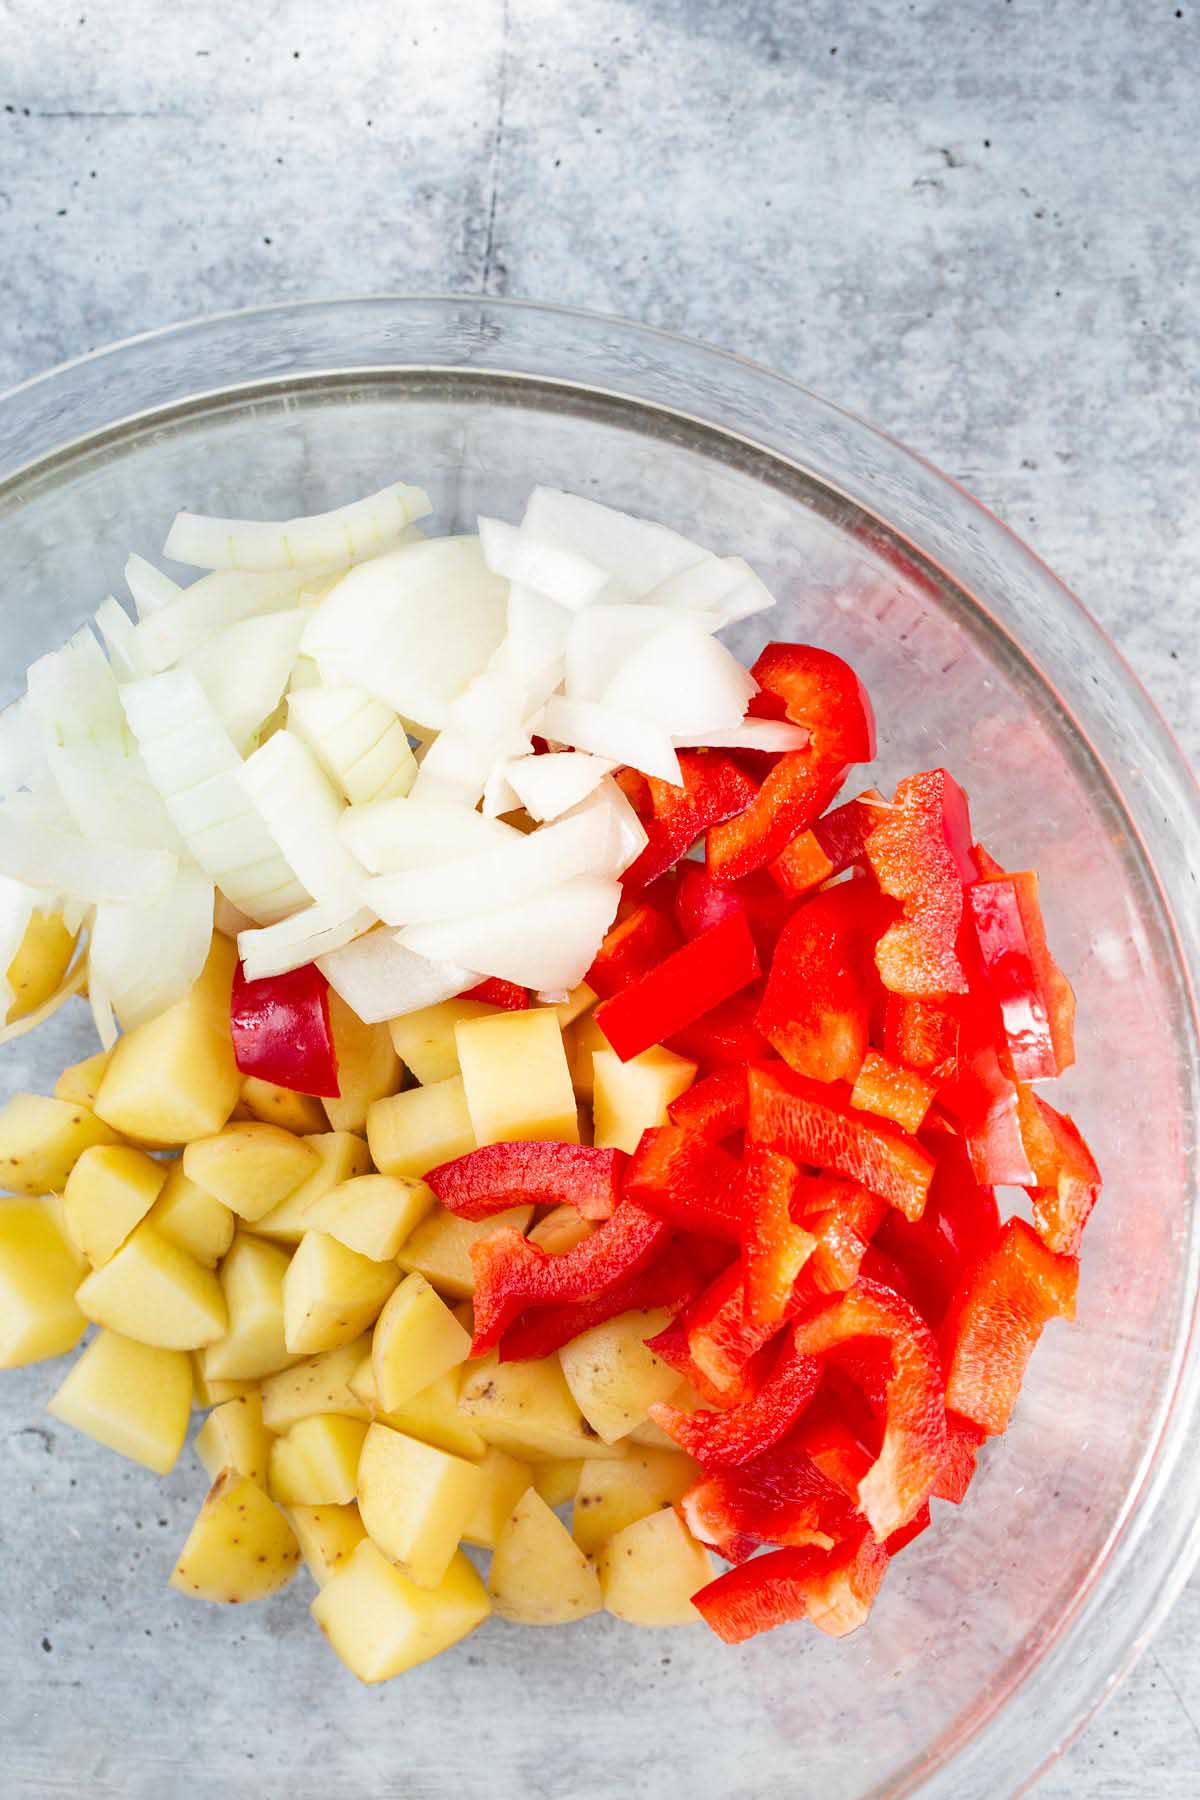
(591,1109)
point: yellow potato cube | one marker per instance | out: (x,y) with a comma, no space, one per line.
(578,1002)
(320,1384)
(331,1294)
(80,1083)
(302,1114)
(440,1247)
(39,1272)
(629,1097)
(340,1157)
(527,1409)
(539,1575)
(413,1132)
(133,1398)
(614,1376)
(41,1141)
(556,1482)
(240,1548)
(42,959)
(560,1231)
(328,1537)
(234,1437)
(425,1040)
(174,1078)
(368,1067)
(515,1077)
(432,1415)
(415,1501)
(252,1283)
(372,1214)
(582,1040)
(650,1570)
(380,1623)
(316,1464)
(249,1167)
(504,1480)
(206,1393)
(155,1292)
(189,1217)
(416,1339)
(612,1495)
(110,1190)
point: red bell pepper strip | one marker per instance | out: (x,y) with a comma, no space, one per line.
(685,985)
(922,1035)
(281,1030)
(495,991)
(845,1218)
(671,1282)
(781,1497)
(913,1454)
(776,1249)
(901,1539)
(984,1103)
(715,788)
(793,794)
(725,1038)
(723,1440)
(892,1091)
(835,1589)
(814,1123)
(637,942)
(714,1341)
(715,1107)
(1035,999)
(921,855)
(498,1176)
(963,1441)
(1066,1179)
(995,1320)
(834,843)
(836,1450)
(512,1274)
(816,1011)
(960,1220)
(700,902)
(679,1176)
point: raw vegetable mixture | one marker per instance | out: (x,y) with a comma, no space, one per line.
(594,1107)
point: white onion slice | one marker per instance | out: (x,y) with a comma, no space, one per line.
(548,942)
(537,631)
(640,554)
(22,752)
(145,955)
(380,979)
(120,639)
(548,786)
(685,681)
(609,808)
(244,670)
(499,797)
(301,811)
(304,937)
(358,741)
(619,736)
(776,735)
(601,641)
(150,589)
(42,856)
(409,833)
(347,534)
(110,797)
(229,919)
(721,586)
(562,576)
(211,605)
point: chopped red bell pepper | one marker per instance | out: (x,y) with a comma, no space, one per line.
(983,1102)
(636,943)
(716,1107)
(714,1341)
(715,788)
(776,1248)
(960,1220)
(700,902)
(679,1175)
(816,1011)
(963,1441)
(494,991)
(723,1440)
(835,1589)
(921,855)
(837,1451)
(892,1091)
(669,1282)
(922,1035)
(832,844)
(682,988)
(1066,1180)
(781,1497)
(796,791)
(844,1218)
(281,1030)
(814,1123)
(727,1037)
(995,1320)
(498,1176)
(1034,996)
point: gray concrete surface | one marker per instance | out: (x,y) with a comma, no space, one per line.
(974,223)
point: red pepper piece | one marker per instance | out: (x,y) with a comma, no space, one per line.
(962,1450)
(834,843)
(914,1442)
(921,855)
(716,1107)
(636,943)
(1035,998)
(495,991)
(718,1337)
(685,985)
(795,792)
(836,1450)
(892,1091)
(502,1175)
(922,1035)
(900,1540)
(723,1440)
(671,1282)
(281,1030)
(835,1589)
(989,868)
(960,1220)
(780,1497)
(700,902)
(983,1101)
(816,1011)
(512,1274)
(995,1320)
(1066,1179)
(776,1249)
(678,1175)
(814,1123)
(725,1038)
(844,1218)
(715,788)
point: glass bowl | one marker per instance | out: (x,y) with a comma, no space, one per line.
(997,1632)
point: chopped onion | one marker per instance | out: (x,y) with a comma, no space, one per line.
(150,589)
(22,752)
(102,1013)
(301,939)
(145,955)
(609,809)
(570,580)
(548,942)
(619,736)
(43,856)
(684,680)
(345,535)
(498,795)
(720,587)
(640,554)
(358,741)
(548,786)
(380,979)
(244,670)
(229,919)
(120,639)
(301,811)
(601,641)
(775,735)
(537,631)
(211,605)
(408,834)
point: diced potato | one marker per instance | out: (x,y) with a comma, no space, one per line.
(133,1398)
(250,1167)
(440,1247)
(613,1375)
(416,1339)
(582,1040)
(539,1575)
(41,1141)
(155,1292)
(206,1393)
(79,1084)
(320,1384)
(651,1436)
(415,1501)
(578,1002)
(110,1190)
(241,1546)
(39,1273)
(302,1114)
(556,1482)
(189,1217)
(413,1132)
(372,1214)
(368,1067)
(328,1536)
(612,1495)
(527,1409)
(42,959)
(331,1294)
(650,1570)
(515,1077)
(316,1464)
(340,1157)
(425,1041)
(380,1623)
(504,1480)
(174,1078)
(560,1231)
(252,1283)
(432,1415)
(234,1437)
(629,1097)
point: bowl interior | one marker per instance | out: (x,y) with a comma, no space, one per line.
(600,1708)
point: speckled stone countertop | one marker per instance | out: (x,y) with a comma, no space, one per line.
(973,223)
